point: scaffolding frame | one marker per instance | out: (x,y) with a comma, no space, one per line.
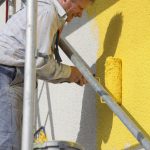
(30,77)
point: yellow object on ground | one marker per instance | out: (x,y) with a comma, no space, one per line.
(113,78)
(40,136)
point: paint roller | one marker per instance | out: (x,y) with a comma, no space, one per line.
(113,78)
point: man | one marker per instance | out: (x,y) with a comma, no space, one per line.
(52,14)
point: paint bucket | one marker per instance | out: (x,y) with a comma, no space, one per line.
(58,145)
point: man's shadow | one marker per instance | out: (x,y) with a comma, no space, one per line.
(96,117)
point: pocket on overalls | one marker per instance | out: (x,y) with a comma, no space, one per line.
(18,76)
(14,75)
(7,75)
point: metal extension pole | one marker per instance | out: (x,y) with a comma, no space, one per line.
(30,76)
(80,64)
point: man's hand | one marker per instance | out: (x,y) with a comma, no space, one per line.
(76,77)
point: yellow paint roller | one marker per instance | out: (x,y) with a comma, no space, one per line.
(113,78)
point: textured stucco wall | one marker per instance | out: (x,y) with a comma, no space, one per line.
(125,34)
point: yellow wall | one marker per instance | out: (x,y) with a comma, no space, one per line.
(124,31)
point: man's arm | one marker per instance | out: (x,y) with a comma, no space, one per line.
(48,69)
(76,77)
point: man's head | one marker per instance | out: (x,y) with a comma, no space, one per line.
(74,8)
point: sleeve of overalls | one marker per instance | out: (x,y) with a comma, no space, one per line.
(47,68)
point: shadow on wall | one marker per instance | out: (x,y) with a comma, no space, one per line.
(104,114)
(95,126)
(95,9)
(87,132)
(110,44)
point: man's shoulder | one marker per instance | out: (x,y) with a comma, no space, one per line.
(45,3)
(46,6)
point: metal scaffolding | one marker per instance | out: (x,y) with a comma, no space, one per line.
(30,77)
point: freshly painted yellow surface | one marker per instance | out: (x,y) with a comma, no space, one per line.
(124,32)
